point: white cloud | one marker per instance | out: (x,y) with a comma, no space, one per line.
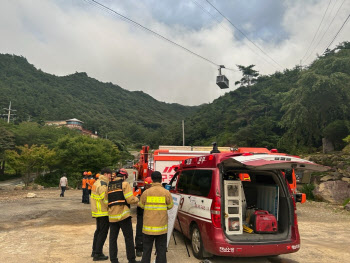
(62,37)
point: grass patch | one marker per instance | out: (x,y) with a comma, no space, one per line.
(346,201)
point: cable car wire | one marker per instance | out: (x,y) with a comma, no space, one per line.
(230,31)
(113,12)
(346,20)
(240,31)
(318,28)
(329,25)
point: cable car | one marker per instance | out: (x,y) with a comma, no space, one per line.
(221,80)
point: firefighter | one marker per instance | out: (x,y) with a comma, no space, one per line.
(120,196)
(155,201)
(90,182)
(84,188)
(99,210)
(139,212)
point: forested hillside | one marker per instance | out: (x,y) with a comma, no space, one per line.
(291,110)
(130,117)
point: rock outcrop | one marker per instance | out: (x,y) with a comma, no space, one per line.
(334,185)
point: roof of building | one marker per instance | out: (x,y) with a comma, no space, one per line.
(74,119)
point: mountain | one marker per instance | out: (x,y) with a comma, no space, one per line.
(103,107)
(291,110)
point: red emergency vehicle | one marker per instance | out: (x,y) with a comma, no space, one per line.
(216,205)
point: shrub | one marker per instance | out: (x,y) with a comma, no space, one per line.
(307,189)
(53,179)
(346,201)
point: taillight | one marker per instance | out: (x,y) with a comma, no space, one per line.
(215,211)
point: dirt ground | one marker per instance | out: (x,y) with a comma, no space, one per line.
(53,229)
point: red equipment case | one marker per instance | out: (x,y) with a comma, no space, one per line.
(264,222)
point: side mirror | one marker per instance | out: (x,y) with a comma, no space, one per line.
(300,198)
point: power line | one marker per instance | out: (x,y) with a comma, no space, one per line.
(103,7)
(230,31)
(329,25)
(346,20)
(240,31)
(312,41)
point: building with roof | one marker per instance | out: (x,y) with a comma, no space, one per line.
(72,124)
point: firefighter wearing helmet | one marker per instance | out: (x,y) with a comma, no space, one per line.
(90,182)
(120,196)
(99,210)
(85,198)
(155,201)
(139,212)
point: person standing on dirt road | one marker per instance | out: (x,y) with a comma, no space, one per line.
(155,201)
(139,224)
(85,198)
(99,210)
(120,196)
(63,184)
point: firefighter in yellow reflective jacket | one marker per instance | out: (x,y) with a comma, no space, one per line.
(120,196)
(155,201)
(99,210)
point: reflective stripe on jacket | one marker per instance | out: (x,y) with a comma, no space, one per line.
(156,201)
(118,213)
(99,198)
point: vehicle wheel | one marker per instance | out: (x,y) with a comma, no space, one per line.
(196,243)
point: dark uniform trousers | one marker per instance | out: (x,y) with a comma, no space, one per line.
(139,234)
(160,241)
(86,199)
(126,227)
(63,188)
(102,226)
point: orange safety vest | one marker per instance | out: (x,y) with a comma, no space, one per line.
(91,182)
(84,181)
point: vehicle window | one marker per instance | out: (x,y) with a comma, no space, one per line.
(185,181)
(201,183)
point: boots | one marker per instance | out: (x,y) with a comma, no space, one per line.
(138,253)
(100,257)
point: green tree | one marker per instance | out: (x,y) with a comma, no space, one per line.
(81,153)
(6,143)
(336,131)
(250,77)
(33,133)
(29,161)
(308,109)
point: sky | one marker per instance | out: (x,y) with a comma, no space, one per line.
(62,37)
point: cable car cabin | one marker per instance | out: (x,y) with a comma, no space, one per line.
(222,82)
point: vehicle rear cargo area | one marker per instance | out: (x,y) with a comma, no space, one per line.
(253,201)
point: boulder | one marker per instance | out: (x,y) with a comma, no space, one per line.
(346,179)
(327,178)
(332,191)
(31,195)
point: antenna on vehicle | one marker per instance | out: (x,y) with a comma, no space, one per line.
(215,148)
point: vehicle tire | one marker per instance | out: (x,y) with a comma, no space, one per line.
(196,243)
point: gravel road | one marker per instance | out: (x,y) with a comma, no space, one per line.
(53,229)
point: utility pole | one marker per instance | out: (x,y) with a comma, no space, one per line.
(183,133)
(9,113)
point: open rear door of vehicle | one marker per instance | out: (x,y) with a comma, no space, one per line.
(272,162)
